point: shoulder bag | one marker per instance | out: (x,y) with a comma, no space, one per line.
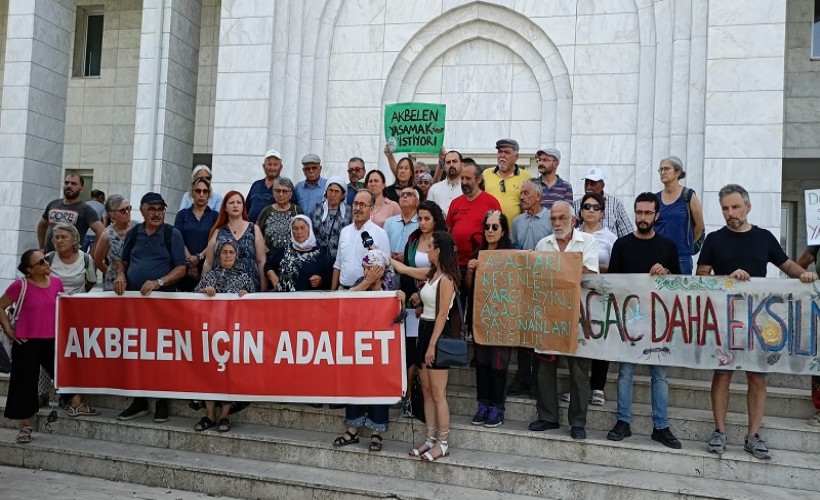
(13,312)
(450,349)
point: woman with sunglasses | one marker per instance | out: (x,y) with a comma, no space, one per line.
(195,225)
(492,362)
(592,213)
(404,173)
(32,339)
(214,200)
(109,246)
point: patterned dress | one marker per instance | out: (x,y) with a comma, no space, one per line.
(275,226)
(295,268)
(114,251)
(246,252)
(232,280)
(327,231)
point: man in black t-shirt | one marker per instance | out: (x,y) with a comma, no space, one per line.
(644,251)
(742,251)
(808,258)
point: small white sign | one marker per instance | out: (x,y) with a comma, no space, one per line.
(813,217)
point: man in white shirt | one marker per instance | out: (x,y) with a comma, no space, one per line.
(565,239)
(444,192)
(348,266)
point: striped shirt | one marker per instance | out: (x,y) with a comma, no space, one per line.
(560,191)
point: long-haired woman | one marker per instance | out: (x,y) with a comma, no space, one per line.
(492,362)
(232,224)
(441,282)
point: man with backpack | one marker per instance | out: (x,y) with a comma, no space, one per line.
(153,258)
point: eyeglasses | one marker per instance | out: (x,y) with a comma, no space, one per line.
(590,206)
(155,210)
(423,182)
(645,213)
(664,169)
(202,191)
(281,191)
(124,210)
(40,262)
(310,169)
(494,227)
(354,170)
(360,204)
(407,194)
(502,186)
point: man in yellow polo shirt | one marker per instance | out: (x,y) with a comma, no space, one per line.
(505,180)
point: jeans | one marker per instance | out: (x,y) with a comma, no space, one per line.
(660,394)
(685,264)
(374,417)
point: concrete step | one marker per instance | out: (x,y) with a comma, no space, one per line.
(529,464)
(27,484)
(686,393)
(216,474)
(782,432)
(297,426)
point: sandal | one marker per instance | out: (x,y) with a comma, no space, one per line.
(24,436)
(82,410)
(346,439)
(376,442)
(815,419)
(204,424)
(425,447)
(224,425)
(430,457)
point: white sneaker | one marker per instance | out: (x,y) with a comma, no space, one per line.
(597,398)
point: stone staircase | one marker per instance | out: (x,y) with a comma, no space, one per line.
(285,451)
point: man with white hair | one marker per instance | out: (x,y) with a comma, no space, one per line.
(215,199)
(565,238)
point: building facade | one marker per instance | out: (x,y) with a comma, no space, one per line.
(133,93)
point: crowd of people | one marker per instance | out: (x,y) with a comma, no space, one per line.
(420,236)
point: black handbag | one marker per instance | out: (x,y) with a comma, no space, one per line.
(451,350)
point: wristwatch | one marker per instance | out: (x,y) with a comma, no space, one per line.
(160,282)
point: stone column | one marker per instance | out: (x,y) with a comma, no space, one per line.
(32,121)
(166,100)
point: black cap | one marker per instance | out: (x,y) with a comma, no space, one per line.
(152,199)
(507,143)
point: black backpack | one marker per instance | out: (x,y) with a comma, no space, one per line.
(687,197)
(131,238)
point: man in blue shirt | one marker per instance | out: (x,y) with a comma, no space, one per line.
(355,174)
(150,261)
(311,191)
(261,192)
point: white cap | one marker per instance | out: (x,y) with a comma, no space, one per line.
(274,153)
(594,174)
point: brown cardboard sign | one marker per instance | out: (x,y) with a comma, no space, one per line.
(528,299)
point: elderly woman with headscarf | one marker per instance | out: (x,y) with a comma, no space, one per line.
(303,265)
(227,278)
(378,276)
(423,182)
(330,216)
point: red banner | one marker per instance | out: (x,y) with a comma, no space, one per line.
(339,347)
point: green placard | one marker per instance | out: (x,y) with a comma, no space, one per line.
(416,127)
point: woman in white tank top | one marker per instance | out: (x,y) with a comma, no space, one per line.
(442,280)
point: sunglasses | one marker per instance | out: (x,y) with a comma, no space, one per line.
(407,194)
(354,170)
(281,191)
(124,210)
(502,186)
(494,227)
(202,191)
(40,262)
(589,206)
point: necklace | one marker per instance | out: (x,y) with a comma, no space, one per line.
(234,230)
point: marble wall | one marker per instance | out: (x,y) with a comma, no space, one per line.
(4,9)
(100,113)
(802,84)
(206,78)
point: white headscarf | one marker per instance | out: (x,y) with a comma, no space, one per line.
(342,206)
(308,244)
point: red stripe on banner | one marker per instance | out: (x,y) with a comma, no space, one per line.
(300,347)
